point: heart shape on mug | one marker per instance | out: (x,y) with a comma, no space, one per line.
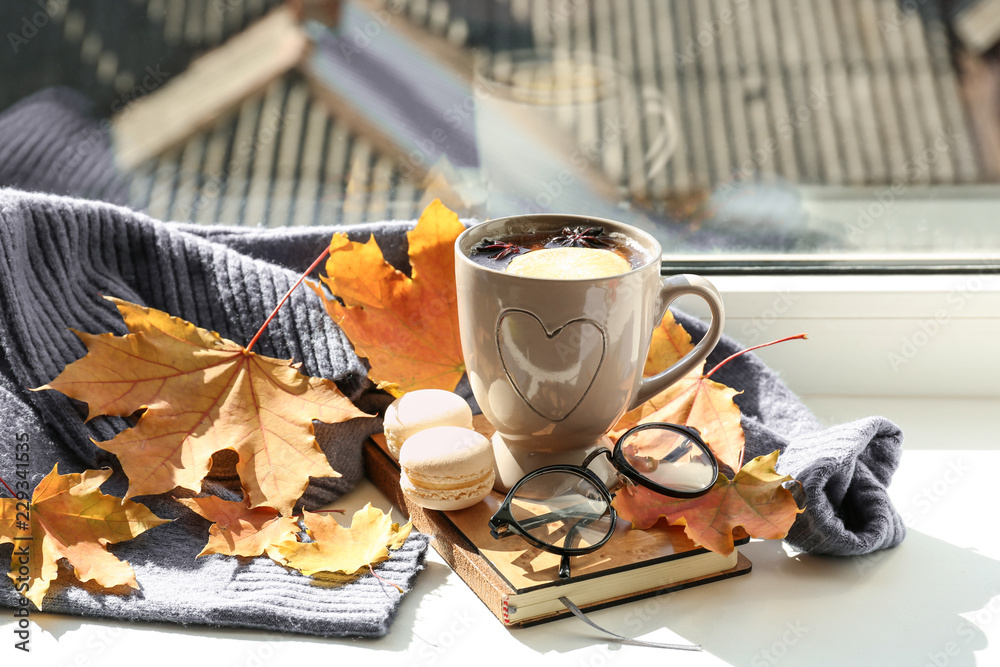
(552,371)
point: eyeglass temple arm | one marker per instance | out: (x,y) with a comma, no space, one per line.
(568,543)
(564,567)
(542,519)
(594,454)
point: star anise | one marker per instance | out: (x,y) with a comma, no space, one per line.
(503,248)
(582,237)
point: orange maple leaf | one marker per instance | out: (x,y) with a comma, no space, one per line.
(238,530)
(346,550)
(407,327)
(755,499)
(68,517)
(200,394)
(694,400)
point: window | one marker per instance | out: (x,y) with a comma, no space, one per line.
(844,152)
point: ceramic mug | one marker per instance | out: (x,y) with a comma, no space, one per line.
(554,364)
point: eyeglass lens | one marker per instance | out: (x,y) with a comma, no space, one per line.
(669,458)
(562,509)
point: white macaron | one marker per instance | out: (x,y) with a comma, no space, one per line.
(446,468)
(422,409)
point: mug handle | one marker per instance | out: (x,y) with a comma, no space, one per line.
(671,288)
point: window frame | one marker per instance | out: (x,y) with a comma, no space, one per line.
(910,335)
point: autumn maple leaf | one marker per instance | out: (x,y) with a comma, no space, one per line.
(755,499)
(407,327)
(68,517)
(199,394)
(668,345)
(238,530)
(337,549)
(695,400)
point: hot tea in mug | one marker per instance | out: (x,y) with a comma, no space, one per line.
(563,254)
(556,313)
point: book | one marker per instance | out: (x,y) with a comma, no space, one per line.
(520,584)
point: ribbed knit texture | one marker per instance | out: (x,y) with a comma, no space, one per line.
(57,257)
(52,143)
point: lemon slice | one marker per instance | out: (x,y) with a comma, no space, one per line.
(568,263)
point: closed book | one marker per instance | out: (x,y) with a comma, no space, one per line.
(520,583)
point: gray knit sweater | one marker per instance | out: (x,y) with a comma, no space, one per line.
(57,257)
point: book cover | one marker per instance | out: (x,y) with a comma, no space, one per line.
(520,583)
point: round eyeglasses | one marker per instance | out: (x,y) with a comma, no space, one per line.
(566,509)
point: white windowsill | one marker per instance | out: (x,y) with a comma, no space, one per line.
(871,335)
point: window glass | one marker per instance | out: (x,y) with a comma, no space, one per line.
(809,134)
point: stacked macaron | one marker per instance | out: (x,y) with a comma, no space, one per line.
(419,410)
(446,468)
(444,464)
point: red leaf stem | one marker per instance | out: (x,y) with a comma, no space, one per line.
(755,347)
(383,579)
(12,494)
(263,327)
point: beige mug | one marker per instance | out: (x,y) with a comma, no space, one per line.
(554,363)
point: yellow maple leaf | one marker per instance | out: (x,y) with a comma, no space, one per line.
(238,530)
(68,517)
(668,345)
(199,394)
(407,327)
(337,549)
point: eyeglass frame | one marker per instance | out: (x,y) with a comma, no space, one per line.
(503,524)
(622,466)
